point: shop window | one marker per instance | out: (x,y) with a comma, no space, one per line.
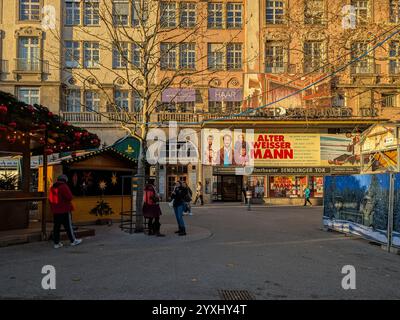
(256,186)
(10,170)
(317,184)
(287,186)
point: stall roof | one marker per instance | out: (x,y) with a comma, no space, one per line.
(110,150)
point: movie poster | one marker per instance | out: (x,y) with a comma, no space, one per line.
(340,150)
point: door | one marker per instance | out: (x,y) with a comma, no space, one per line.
(231,188)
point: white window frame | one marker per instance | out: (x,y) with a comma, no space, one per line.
(72,54)
(73,100)
(122,100)
(394,11)
(365,64)
(313,56)
(120,18)
(138,102)
(234,15)
(92,101)
(276,9)
(216,56)
(31,97)
(168,14)
(91,54)
(136,55)
(91,15)
(187,55)
(394,57)
(362,11)
(314,12)
(275,57)
(168,56)
(187,14)
(72,12)
(121,56)
(234,56)
(29,10)
(215,15)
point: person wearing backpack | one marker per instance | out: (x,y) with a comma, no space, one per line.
(151,210)
(178,196)
(60,198)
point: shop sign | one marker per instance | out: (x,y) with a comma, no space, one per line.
(230,95)
(291,171)
(178,95)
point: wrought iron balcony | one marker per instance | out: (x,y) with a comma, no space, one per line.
(365,68)
(23,65)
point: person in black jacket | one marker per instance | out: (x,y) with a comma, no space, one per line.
(179,195)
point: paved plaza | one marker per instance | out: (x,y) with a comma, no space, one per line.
(272,252)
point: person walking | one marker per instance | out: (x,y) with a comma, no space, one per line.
(307,195)
(199,194)
(178,196)
(60,199)
(151,210)
(188,200)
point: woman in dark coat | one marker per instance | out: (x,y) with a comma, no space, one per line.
(151,210)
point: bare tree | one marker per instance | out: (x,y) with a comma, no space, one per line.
(144,37)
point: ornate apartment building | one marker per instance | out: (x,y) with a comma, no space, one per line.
(80,58)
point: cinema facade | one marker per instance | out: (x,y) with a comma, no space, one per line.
(286,155)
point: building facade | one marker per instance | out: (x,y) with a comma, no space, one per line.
(236,54)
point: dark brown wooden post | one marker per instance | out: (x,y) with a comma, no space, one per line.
(44,206)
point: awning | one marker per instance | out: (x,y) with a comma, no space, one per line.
(178,95)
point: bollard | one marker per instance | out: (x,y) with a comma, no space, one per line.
(248,197)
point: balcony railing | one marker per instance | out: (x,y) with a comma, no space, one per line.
(82,117)
(3,66)
(31,66)
(94,117)
(389,101)
(364,68)
(178,117)
(277,68)
(394,68)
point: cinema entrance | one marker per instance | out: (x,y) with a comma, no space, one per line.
(226,187)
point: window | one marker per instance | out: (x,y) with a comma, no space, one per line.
(313,56)
(214,106)
(120,55)
(168,56)
(120,12)
(140,12)
(73,101)
(137,102)
(136,55)
(363,65)
(389,100)
(185,107)
(228,107)
(168,14)
(91,12)
(274,57)
(91,54)
(394,57)
(314,12)
(234,15)
(361,8)
(121,99)
(29,10)
(72,54)
(394,11)
(234,56)
(28,54)
(215,56)
(29,95)
(275,12)
(92,101)
(215,16)
(187,15)
(187,55)
(72,12)
(233,107)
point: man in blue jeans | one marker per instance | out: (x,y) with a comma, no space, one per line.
(179,195)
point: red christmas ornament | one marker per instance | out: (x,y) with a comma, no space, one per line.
(31,109)
(50,114)
(66,123)
(3,129)
(85,134)
(12,124)
(42,126)
(48,151)
(77,135)
(3,109)
(11,139)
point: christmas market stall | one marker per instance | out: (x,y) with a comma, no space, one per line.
(100,181)
(26,131)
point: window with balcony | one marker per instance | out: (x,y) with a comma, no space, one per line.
(29,95)
(91,54)
(216,56)
(275,11)
(394,14)
(313,56)
(314,11)
(73,100)
(91,13)
(29,10)
(187,56)
(274,57)
(92,101)
(233,107)
(137,102)
(215,107)
(72,54)
(363,65)
(28,54)
(361,8)
(234,18)
(168,56)
(187,15)
(72,12)
(168,14)
(120,12)
(120,55)
(121,100)
(234,56)
(215,16)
